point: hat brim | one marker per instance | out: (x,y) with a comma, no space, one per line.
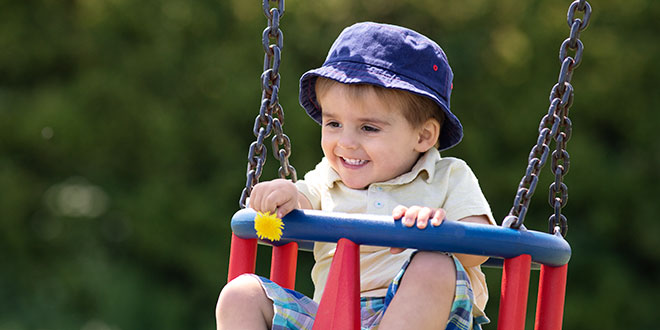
(451,132)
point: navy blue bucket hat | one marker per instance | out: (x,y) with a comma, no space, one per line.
(389,56)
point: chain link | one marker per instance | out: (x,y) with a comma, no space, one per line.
(271,114)
(556,126)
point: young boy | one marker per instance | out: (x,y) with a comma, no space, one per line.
(382,99)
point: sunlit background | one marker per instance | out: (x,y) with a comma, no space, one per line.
(125,125)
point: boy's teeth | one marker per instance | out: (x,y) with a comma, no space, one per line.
(354,161)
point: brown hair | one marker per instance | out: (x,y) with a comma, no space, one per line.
(415,108)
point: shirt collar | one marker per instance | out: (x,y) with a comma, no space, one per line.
(425,167)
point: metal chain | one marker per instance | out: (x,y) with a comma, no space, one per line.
(271,114)
(556,126)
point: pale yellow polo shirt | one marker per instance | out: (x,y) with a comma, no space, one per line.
(433,182)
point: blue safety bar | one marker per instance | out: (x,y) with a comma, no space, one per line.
(308,226)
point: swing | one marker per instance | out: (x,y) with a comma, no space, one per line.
(512,242)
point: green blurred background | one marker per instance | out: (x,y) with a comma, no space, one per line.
(124,129)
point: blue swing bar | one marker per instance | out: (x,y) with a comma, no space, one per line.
(306,226)
(339,305)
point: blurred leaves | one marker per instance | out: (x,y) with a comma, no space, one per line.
(124,128)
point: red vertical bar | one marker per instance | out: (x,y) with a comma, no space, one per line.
(242,257)
(340,303)
(515,285)
(283,265)
(550,303)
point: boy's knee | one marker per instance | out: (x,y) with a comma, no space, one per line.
(433,267)
(243,304)
(242,291)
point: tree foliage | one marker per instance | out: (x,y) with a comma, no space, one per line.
(124,128)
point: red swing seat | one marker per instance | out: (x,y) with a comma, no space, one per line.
(339,307)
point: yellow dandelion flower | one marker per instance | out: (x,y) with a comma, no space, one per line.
(268,226)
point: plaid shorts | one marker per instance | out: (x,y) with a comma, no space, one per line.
(293,310)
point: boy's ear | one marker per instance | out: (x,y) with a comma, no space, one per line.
(429,133)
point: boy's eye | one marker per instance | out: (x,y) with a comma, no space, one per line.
(333,124)
(368,128)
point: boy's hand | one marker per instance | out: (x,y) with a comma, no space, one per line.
(279,195)
(419,215)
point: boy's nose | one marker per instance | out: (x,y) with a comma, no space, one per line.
(347,141)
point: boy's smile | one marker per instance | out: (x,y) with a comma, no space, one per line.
(365,138)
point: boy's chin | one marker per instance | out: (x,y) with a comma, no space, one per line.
(356,185)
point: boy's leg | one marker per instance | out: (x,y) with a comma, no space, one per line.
(243,304)
(425,295)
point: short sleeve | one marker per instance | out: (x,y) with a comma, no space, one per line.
(464,196)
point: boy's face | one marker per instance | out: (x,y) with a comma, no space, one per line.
(365,138)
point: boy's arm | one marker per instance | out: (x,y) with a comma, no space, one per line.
(470,260)
(303,202)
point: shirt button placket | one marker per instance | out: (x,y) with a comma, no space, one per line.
(376,191)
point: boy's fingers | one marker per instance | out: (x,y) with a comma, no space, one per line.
(284,210)
(277,202)
(410,216)
(423,217)
(272,201)
(255,198)
(438,217)
(398,212)
(441,213)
